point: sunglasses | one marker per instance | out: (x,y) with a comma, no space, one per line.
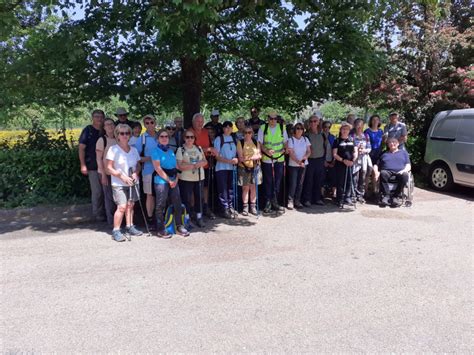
(326,127)
(150,122)
(124,133)
(121,115)
(299,128)
(164,136)
(189,137)
(249,132)
(272,118)
(171,128)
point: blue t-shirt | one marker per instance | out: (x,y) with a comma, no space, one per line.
(375,138)
(228,150)
(394,161)
(331,138)
(167,161)
(150,145)
(89,137)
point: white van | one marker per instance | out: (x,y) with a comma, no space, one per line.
(450,149)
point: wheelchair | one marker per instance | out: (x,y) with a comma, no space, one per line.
(407,192)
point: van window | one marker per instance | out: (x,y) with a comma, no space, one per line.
(466,130)
(446,128)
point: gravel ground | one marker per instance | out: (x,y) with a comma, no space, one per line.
(323,280)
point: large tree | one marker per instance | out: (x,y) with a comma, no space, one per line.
(161,54)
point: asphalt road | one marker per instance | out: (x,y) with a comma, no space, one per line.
(325,280)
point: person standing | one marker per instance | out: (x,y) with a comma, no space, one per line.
(345,153)
(203,140)
(166,185)
(249,174)
(122,117)
(145,145)
(396,129)
(179,133)
(319,159)
(88,161)
(362,168)
(240,124)
(272,139)
(101,148)
(299,148)
(121,160)
(254,121)
(214,123)
(191,161)
(226,147)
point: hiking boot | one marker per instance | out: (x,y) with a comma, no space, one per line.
(118,236)
(182,231)
(290,204)
(227,214)
(253,209)
(277,207)
(245,209)
(133,231)
(268,207)
(200,223)
(307,204)
(209,214)
(319,203)
(298,204)
(385,201)
(163,234)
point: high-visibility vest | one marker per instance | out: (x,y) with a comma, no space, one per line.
(275,142)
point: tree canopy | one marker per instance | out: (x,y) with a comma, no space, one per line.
(164,54)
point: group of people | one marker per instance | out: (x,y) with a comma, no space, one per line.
(183,168)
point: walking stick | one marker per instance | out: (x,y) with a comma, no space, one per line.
(344,188)
(200,193)
(352,189)
(255,173)
(234,182)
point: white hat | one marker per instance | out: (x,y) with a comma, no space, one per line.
(215,112)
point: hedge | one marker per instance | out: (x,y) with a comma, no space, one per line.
(31,177)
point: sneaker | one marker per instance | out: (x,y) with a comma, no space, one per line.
(268,207)
(396,202)
(360,199)
(118,236)
(307,204)
(385,201)
(163,234)
(290,205)
(132,230)
(348,202)
(253,209)
(182,231)
(319,203)
(200,223)
(298,205)
(245,209)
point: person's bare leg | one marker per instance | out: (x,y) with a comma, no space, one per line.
(118,216)
(245,194)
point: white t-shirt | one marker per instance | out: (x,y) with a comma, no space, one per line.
(122,161)
(299,147)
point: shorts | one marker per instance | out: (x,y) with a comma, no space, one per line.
(248,177)
(121,194)
(147,184)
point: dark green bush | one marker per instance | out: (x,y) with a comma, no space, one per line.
(32,177)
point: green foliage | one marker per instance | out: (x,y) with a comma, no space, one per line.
(31,177)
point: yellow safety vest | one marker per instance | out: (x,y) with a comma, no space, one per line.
(275,142)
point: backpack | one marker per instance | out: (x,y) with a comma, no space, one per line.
(170,223)
(234,140)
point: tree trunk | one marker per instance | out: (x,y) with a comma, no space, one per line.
(191,76)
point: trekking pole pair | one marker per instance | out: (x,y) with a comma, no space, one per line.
(130,199)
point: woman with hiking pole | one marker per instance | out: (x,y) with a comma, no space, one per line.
(249,174)
(345,153)
(120,159)
(191,162)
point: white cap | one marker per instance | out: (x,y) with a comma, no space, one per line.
(215,112)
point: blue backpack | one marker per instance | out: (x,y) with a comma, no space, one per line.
(170,223)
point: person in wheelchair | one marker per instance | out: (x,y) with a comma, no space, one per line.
(394,166)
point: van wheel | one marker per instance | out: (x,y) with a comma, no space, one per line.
(441,178)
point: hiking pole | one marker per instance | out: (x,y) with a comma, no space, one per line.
(234,182)
(130,200)
(211,182)
(143,212)
(343,197)
(255,173)
(284,183)
(200,194)
(353,189)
